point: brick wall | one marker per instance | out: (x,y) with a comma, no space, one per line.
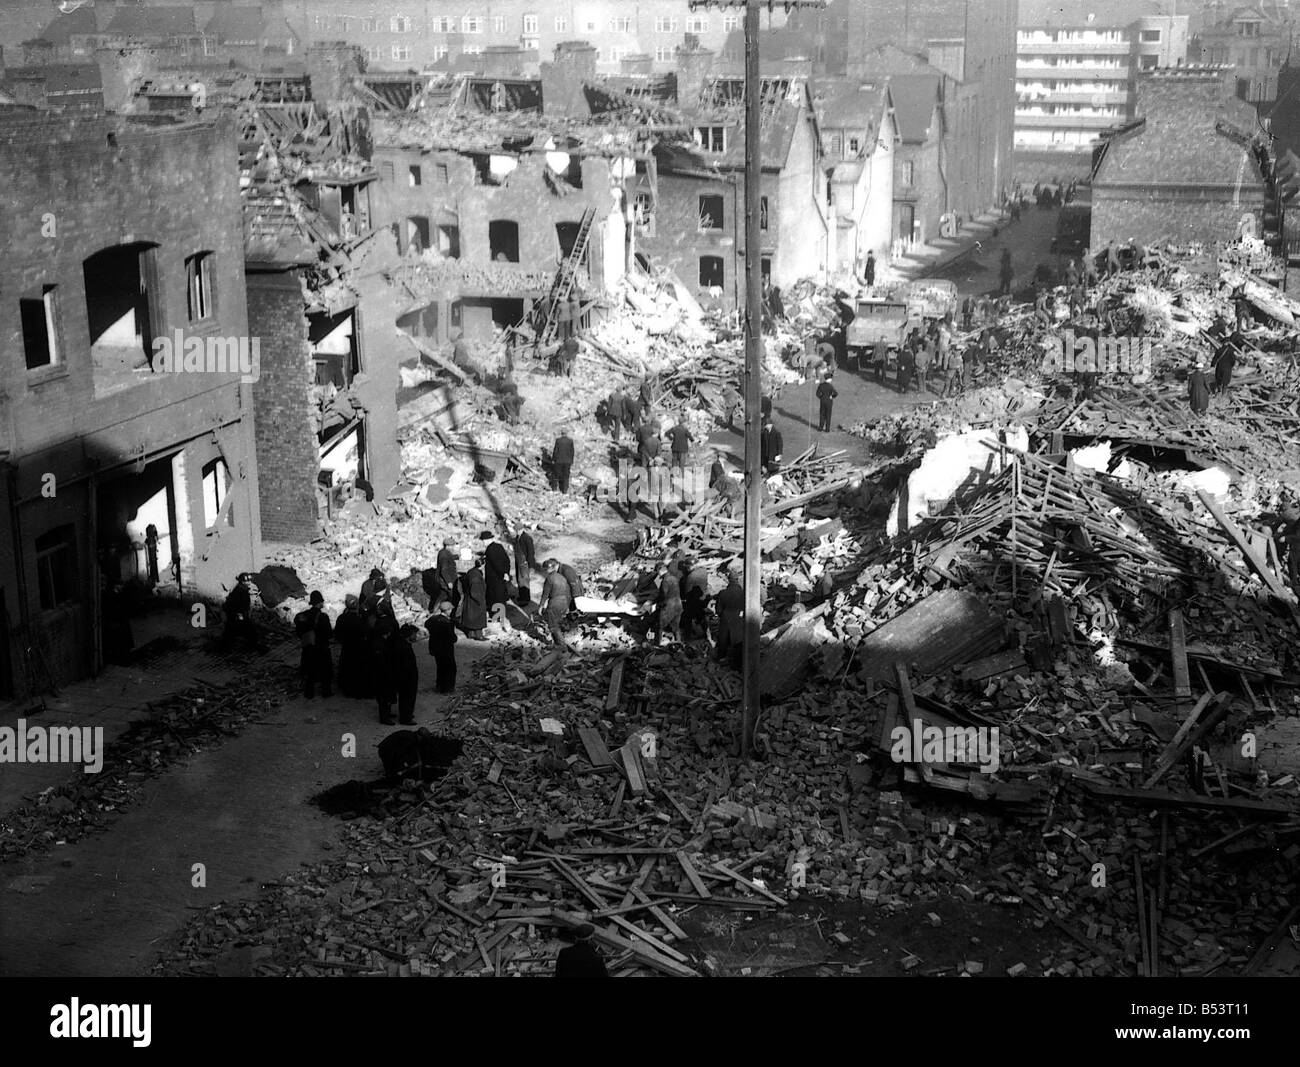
(288,453)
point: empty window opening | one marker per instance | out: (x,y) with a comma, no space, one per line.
(711,272)
(423,322)
(198,286)
(440,172)
(39,316)
(503,241)
(415,234)
(765,270)
(711,138)
(711,213)
(120,287)
(56,567)
(217,506)
(447,241)
(354,218)
(762,213)
(414,175)
(567,234)
(334,349)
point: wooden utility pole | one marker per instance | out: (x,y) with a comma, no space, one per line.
(753,357)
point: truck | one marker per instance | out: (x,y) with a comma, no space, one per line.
(892,318)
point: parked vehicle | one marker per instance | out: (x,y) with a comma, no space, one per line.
(1073,229)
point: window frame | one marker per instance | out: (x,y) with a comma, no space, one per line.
(67,544)
(721,272)
(718,222)
(198,271)
(49,301)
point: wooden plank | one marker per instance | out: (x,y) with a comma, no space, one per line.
(1172,751)
(1239,539)
(641,935)
(1258,808)
(1178,653)
(632,768)
(641,953)
(991,665)
(724,869)
(618,798)
(1145,968)
(615,693)
(595,748)
(665,920)
(904,684)
(693,876)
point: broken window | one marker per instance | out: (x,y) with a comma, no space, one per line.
(120,286)
(449,241)
(762,213)
(440,172)
(56,567)
(216,491)
(711,272)
(503,241)
(198,286)
(354,216)
(567,234)
(415,236)
(644,208)
(40,328)
(334,349)
(414,175)
(765,269)
(711,138)
(711,213)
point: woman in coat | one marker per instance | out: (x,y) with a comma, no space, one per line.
(406,673)
(473,604)
(382,672)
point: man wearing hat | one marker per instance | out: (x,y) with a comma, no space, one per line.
(1198,389)
(826,394)
(316,664)
(350,633)
(442,646)
(496,569)
(581,959)
(448,575)
(373,590)
(239,613)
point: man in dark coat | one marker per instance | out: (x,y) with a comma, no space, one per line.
(562,458)
(679,439)
(717,473)
(772,446)
(406,673)
(238,612)
(906,367)
(375,594)
(496,571)
(694,594)
(382,667)
(1224,361)
(668,605)
(1198,390)
(567,356)
(731,619)
(644,396)
(313,629)
(442,647)
(350,633)
(826,394)
(765,407)
(648,444)
(448,575)
(473,603)
(618,413)
(869,270)
(525,562)
(581,960)
(555,603)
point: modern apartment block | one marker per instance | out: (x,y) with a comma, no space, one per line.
(1075,81)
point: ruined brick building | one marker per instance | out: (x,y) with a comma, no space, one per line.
(118,236)
(1185,172)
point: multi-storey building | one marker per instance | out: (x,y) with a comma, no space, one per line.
(415,34)
(119,237)
(1255,42)
(1074,81)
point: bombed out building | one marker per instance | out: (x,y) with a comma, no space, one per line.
(117,473)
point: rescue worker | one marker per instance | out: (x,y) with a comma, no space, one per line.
(668,605)
(826,394)
(555,603)
(1198,390)
(731,618)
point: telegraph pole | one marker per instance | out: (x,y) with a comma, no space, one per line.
(753,357)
